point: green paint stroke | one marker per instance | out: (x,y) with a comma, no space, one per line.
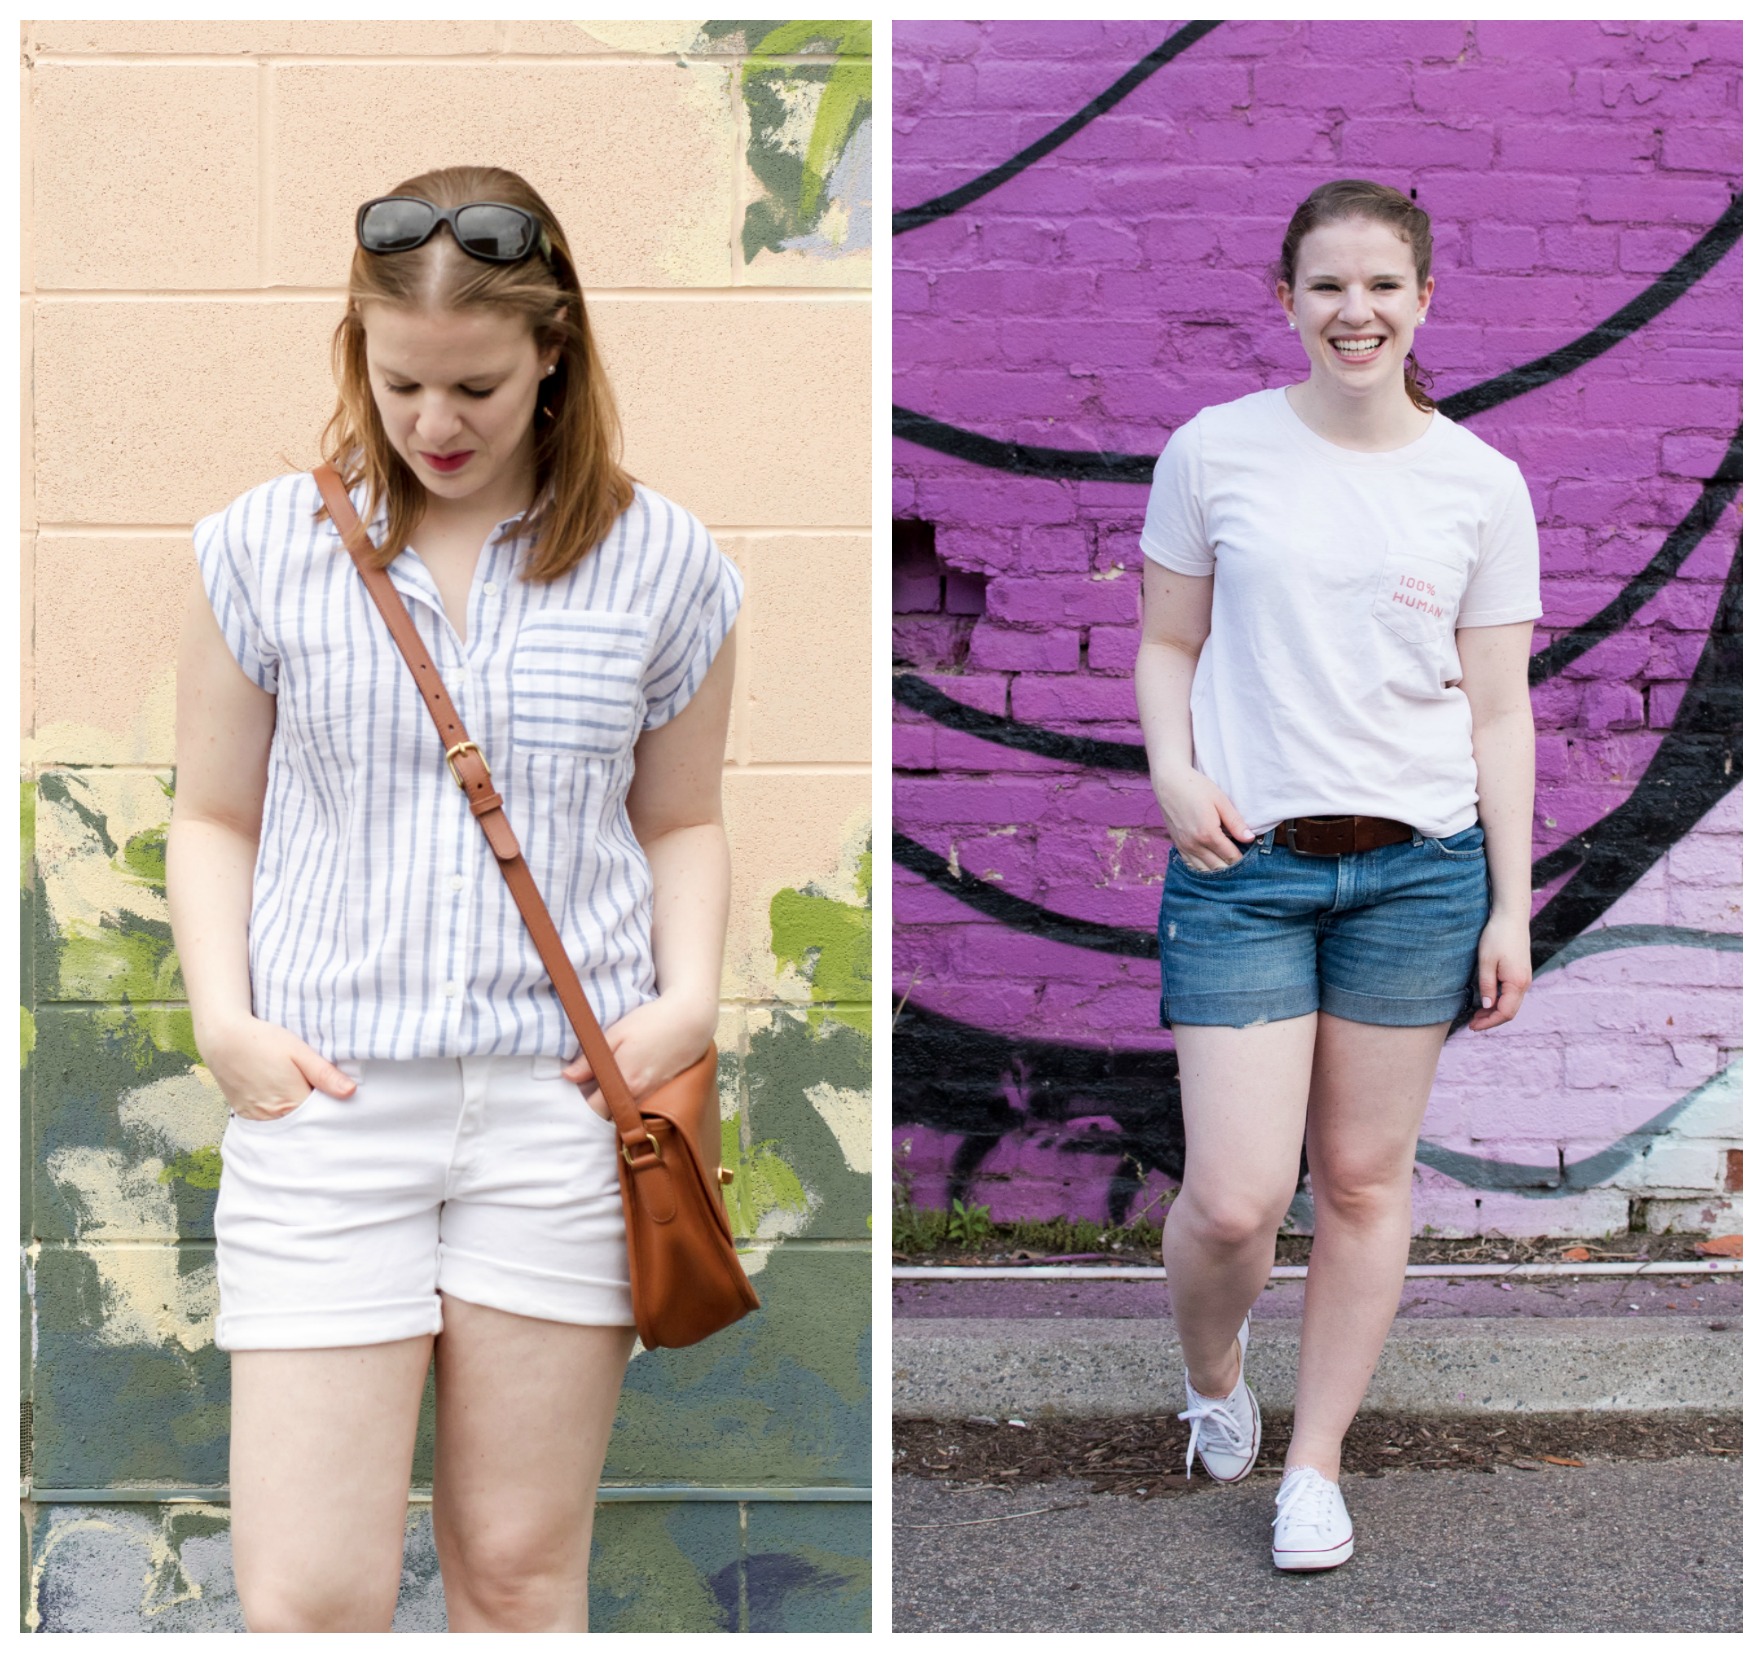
(144,856)
(763,1182)
(27,832)
(828,942)
(27,1034)
(200,1168)
(639,1569)
(795,176)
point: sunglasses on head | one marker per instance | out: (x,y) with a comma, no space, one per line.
(490,230)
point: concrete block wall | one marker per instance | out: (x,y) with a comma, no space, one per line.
(189,191)
(1056,304)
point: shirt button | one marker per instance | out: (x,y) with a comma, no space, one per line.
(456,883)
(451,989)
(489,588)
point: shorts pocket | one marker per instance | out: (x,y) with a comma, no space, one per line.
(1177,865)
(1468,845)
(578,681)
(281,1121)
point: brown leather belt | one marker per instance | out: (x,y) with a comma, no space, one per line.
(1340,834)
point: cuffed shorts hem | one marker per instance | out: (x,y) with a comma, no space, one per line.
(344,1326)
(540,1294)
(1380,1010)
(1249,1009)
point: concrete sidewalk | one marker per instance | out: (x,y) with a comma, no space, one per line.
(1088,1348)
(1646,1547)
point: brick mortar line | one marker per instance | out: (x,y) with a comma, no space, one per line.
(41,767)
(265,130)
(143,1242)
(476,59)
(174,530)
(59,296)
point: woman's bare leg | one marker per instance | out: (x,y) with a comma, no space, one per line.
(321,1447)
(523,1413)
(1368,1095)
(1243,1092)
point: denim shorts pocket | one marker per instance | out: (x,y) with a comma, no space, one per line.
(1175,862)
(1468,845)
(578,681)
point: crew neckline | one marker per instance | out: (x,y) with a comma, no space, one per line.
(1357,456)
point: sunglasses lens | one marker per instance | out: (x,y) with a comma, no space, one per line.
(498,233)
(394,226)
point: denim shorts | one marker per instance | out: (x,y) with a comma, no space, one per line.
(1388,936)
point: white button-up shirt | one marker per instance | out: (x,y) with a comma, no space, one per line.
(380,926)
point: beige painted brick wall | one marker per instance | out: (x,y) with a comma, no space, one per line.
(188,196)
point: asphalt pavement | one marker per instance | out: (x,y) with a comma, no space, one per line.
(1613,1546)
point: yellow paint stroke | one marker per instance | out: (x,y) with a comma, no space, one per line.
(163,1559)
(647,39)
(148,1302)
(846,1113)
(147,736)
(83,884)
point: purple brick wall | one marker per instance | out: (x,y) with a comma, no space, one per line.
(1095,299)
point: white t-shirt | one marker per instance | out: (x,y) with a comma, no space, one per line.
(1329,682)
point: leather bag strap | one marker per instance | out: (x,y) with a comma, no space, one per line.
(472,773)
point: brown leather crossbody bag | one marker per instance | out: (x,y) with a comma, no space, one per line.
(686,1281)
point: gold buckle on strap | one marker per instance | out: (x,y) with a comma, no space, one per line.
(625,1149)
(465,746)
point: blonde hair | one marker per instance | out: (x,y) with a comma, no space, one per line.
(1357,198)
(575,420)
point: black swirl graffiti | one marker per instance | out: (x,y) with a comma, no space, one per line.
(984,1086)
(928,212)
(1082,465)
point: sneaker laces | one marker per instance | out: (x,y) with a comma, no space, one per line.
(1210,1413)
(1304,1499)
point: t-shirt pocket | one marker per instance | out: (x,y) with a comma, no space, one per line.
(578,681)
(1417,598)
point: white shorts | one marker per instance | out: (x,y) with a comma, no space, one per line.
(485,1177)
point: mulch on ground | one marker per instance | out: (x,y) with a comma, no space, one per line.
(1145,1456)
(1294,1249)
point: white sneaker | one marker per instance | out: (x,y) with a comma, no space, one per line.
(1225,1433)
(1311,1527)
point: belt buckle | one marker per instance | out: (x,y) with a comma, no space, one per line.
(455,751)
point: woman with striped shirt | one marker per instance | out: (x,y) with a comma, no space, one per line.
(418,1165)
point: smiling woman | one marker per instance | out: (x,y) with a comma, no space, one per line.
(418,1164)
(1339,591)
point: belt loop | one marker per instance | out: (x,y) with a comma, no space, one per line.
(1418,838)
(1266,840)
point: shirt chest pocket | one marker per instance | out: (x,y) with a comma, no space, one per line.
(578,682)
(1417,597)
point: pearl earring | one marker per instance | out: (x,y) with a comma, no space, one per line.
(553,367)
(1421,320)
(1291,324)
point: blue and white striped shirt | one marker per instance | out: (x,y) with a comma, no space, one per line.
(380,926)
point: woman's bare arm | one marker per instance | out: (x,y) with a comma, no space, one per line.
(1496,678)
(1200,819)
(224,725)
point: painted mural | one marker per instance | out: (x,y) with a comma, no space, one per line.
(1087,214)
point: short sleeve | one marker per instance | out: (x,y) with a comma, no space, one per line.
(230,575)
(700,610)
(1505,585)
(1175,517)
